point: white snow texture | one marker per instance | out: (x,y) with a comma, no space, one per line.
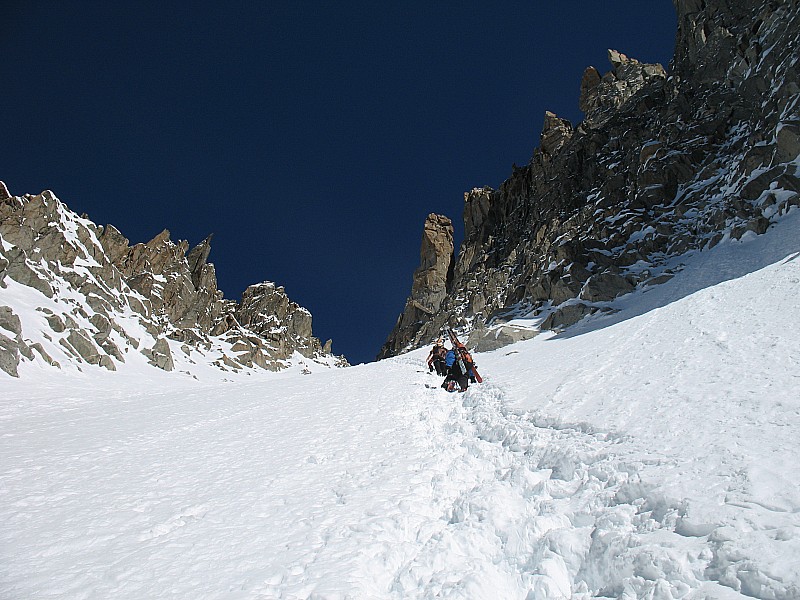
(650,453)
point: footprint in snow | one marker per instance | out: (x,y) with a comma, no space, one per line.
(185,517)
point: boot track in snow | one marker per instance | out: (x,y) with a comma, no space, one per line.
(503,508)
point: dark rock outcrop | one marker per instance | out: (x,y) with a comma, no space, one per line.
(602,96)
(11,344)
(663,163)
(160,355)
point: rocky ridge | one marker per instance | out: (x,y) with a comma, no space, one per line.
(662,164)
(75,294)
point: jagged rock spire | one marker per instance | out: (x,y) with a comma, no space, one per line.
(4,194)
(430,283)
(197,258)
(602,96)
(435,270)
(555,133)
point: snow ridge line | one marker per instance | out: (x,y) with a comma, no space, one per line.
(558,511)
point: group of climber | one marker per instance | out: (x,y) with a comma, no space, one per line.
(455,365)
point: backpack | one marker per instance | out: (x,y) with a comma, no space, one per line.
(460,368)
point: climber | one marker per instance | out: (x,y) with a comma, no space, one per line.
(458,374)
(436,358)
(462,352)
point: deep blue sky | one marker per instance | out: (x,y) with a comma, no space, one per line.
(312,138)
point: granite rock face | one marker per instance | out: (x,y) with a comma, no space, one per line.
(98,301)
(662,164)
(430,283)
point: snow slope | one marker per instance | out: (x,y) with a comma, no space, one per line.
(646,454)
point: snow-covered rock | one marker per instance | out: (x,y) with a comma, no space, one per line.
(76,295)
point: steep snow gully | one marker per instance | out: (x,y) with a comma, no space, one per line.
(310,494)
(652,455)
(525,510)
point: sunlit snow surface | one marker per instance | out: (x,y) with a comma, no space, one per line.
(652,453)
